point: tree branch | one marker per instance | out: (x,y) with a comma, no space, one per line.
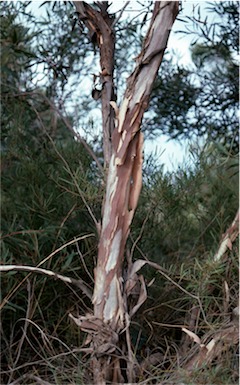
(76,282)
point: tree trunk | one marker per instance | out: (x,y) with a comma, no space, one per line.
(111,315)
(99,24)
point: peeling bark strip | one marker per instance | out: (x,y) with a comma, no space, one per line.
(123,154)
(99,24)
(228,238)
(125,169)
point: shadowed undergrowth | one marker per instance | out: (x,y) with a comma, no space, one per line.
(178,225)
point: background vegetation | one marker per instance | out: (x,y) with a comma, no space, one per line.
(52,191)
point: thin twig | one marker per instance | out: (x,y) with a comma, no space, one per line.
(70,173)
(22,232)
(139,236)
(68,125)
(196,297)
(30,377)
(83,262)
(120,14)
(19,348)
(9,295)
(63,222)
(77,282)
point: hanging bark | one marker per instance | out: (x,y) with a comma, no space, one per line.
(228,238)
(111,315)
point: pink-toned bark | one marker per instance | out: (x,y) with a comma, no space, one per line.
(99,24)
(124,181)
(125,168)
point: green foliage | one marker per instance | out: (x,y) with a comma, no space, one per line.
(179,225)
(51,191)
(46,175)
(173,102)
(17,52)
(63,50)
(202,101)
(189,209)
(42,209)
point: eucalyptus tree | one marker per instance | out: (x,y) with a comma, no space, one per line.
(108,326)
(79,49)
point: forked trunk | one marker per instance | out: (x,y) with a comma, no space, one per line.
(108,326)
